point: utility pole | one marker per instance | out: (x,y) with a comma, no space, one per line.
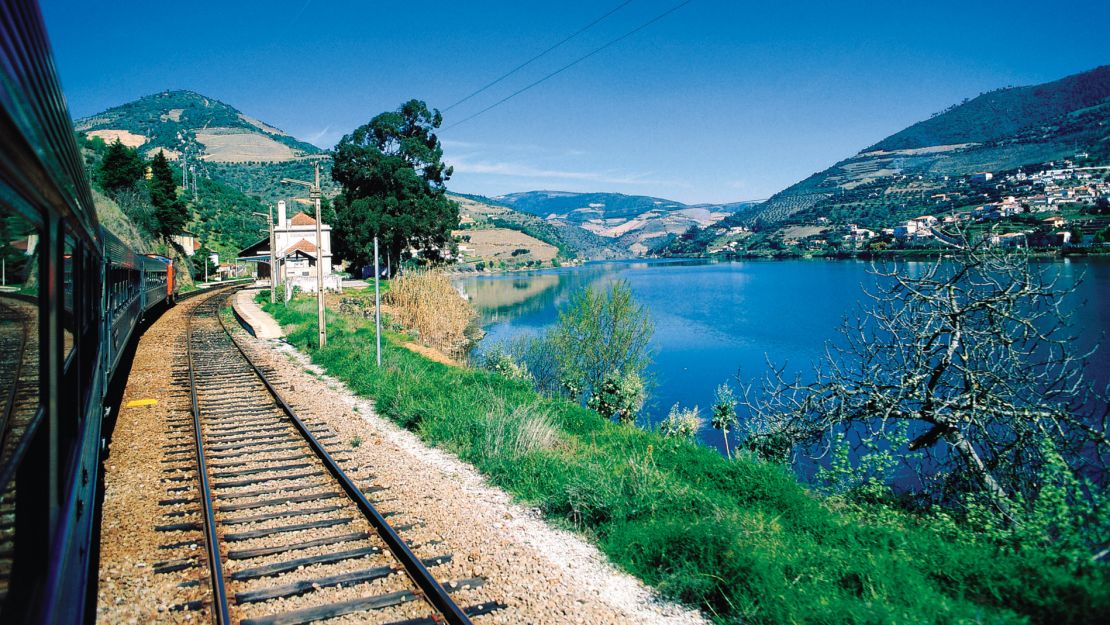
(273,255)
(269,215)
(377,303)
(314,195)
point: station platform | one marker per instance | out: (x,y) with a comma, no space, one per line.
(260,324)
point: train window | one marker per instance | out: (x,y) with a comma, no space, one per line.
(69,293)
(19,358)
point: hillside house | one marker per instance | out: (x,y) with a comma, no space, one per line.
(858,235)
(907,230)
(1010,239)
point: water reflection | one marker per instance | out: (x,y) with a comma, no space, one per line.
(717,321)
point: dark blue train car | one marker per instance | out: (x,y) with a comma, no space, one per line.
(71,298)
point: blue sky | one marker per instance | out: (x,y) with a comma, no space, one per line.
(719,101)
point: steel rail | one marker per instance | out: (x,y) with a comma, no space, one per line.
(215,566)
(432,591)
(9,402)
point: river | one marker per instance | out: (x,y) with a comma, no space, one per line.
(714,321)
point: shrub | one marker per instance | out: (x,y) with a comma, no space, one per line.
(681,423)
(427,303)
(600,332)
(500,362)
(620,396)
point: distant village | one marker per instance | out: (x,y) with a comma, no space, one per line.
(1059,206)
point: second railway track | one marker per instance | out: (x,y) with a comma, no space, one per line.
(291,536)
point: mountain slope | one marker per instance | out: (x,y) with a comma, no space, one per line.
(998,114)
(571,241)
(1000,130)
(637,223)
(212,138)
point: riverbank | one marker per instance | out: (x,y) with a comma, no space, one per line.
(741,540)
(909,254)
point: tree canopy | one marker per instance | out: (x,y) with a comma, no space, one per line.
(121,168)
(393,186)
(170,213)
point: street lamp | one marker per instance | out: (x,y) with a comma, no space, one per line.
(269,215)
(314,195)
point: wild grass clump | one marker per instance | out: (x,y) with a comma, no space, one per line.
(427,303)
(513,431)
(742,540)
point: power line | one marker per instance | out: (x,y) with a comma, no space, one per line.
(529,61)
(571,64)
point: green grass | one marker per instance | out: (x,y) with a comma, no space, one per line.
(742,540)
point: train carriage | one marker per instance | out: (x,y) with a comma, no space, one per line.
(71,298)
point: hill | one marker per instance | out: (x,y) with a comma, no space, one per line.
(210,138)
(635,223)
(220,215)
(928,167)
(478,213)
(998,114)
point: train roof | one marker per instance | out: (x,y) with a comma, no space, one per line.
(41,163)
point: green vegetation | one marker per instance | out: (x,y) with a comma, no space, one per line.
(121,168)
(740,539)
(620,396)
(220,215)
(602,333)
(171,118)
(946,369)
(262,180)
(724,414)
(996,114)
(170,214)
(393,187)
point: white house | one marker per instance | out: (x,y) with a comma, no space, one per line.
(297,255)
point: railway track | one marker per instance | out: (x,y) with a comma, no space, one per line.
(291,536)
(18,401)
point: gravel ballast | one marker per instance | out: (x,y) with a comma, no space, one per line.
(543,575)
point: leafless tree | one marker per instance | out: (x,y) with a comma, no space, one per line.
(970,354)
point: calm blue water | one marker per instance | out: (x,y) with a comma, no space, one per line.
(713,320)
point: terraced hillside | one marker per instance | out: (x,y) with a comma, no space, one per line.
(480,215)
(216,139)
(636,223)
(905,174)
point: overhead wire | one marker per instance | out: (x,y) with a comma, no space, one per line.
(571,64)
(541,54)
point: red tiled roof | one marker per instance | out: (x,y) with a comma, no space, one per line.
(301,246)
(302,219)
